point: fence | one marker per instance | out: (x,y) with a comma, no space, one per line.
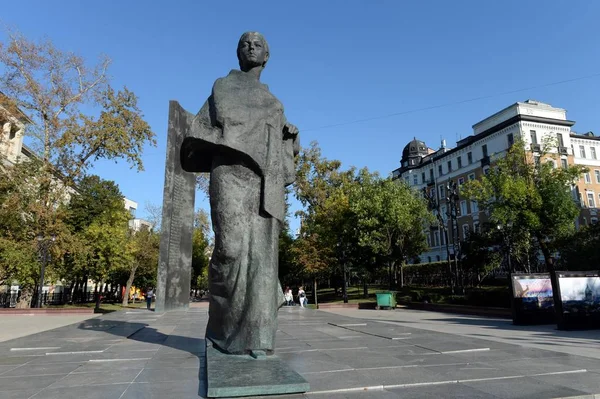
(10,300)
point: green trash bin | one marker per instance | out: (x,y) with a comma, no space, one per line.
(386,300)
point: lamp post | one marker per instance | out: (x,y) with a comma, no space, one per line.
(434,205)
(43,245)
(452,199)
(506,236)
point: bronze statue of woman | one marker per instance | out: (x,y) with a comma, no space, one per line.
(242,138)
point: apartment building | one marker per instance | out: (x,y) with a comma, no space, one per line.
(531,121)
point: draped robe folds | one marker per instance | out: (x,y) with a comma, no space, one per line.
(238,137)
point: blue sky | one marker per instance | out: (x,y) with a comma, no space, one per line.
(336,61)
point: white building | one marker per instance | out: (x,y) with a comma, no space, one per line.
(531,121)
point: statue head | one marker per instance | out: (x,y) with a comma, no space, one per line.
(252,51)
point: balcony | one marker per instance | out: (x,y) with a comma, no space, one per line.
(536,148)
(485,161)
(563,150)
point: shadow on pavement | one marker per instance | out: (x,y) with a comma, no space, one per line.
(142,332)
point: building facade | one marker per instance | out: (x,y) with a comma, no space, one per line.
(534,122)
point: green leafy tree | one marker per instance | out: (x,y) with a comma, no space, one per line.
(99,228)
(143,247)
(389,219)
(201,248)
(529,197)
(322,187)
(581,250)
(75,118)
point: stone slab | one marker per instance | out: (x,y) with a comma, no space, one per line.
(239,375)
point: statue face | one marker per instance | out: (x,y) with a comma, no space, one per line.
(252,52)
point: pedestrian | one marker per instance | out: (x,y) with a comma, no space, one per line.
(302,297)
(289,298)
(149,296)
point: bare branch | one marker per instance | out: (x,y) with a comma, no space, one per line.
(83,90)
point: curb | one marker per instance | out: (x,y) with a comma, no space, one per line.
(34,312)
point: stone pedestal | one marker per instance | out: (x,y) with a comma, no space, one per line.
(244,375)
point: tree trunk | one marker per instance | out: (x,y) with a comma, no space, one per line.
(402,275)
(128,286)
(547,255)
(315,290)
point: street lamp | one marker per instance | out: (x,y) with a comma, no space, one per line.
(506,237)
(43,244)
(452,199)
(434,205)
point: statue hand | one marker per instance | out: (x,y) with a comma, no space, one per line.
(290,131)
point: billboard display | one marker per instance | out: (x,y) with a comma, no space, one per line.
(532,300)
(580,299)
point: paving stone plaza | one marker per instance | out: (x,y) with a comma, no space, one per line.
(141,354)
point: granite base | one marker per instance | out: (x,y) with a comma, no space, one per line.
(243,375)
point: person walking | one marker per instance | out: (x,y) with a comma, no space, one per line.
(149,296)
(289,298)
(302,297)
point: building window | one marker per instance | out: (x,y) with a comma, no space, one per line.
(561,142)
(431,175)
(511,139)
(415,180)
(484,150)
(436,238)
(474,207)
(593,220)
(465,229)
(470,157)
(449,166)
(442,192)
(406,180)
(461,181)
(597,173)
(593,152)
(443,238)
(444,212)
(582,151)
(437,258)
(440,171)
(429,259)
(486,171)
(423,177)
(463,208)
(591,201)
(472,176)
(533,135)
(563,162)
(588,178)
(459,162)
(476,227)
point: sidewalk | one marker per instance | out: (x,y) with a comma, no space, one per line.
(547,337)
(16,326)
(139,354)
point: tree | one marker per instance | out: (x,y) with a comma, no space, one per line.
(390,220)
(98,221)
(580,251)
(479,254)
(529,197)
(201,247)
(322,187)
(76,117)
(143,246)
